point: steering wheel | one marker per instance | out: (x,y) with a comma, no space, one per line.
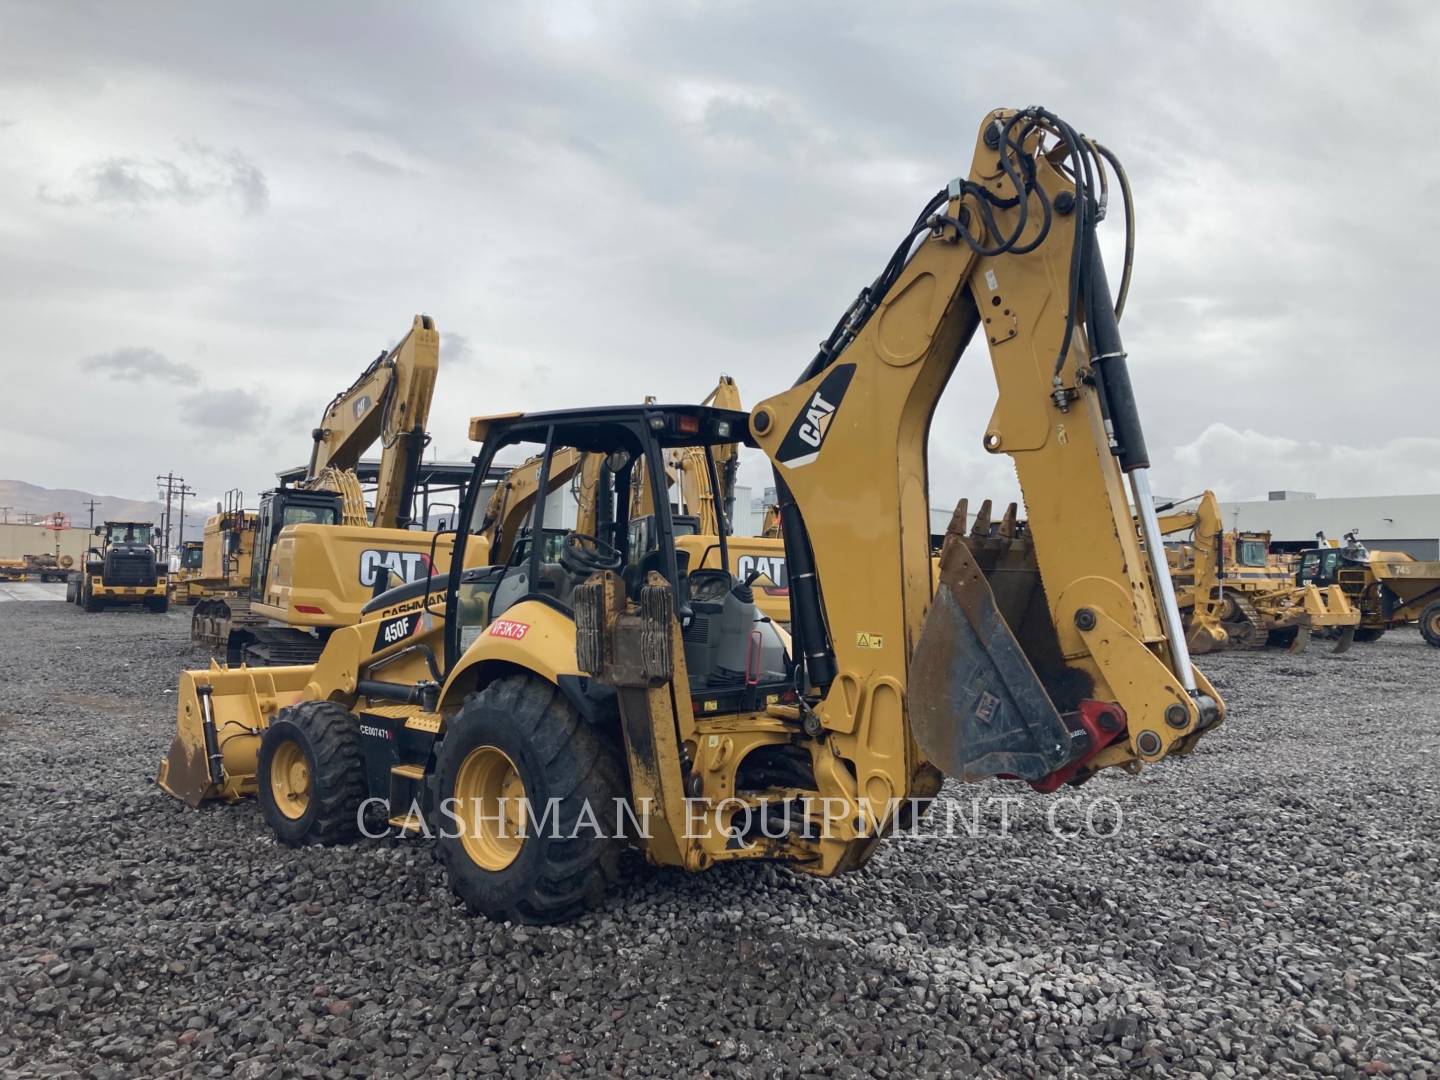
(584,554)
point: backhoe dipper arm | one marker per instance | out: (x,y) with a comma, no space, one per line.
(1009,251)
(390,402)
(695,487)
(1207,526)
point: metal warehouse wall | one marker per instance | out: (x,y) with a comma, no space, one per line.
(1408,523)
(19,540)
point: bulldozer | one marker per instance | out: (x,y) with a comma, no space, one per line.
(222,575)
(190,562)
(121,569)
(537,715)
(1231,594)
(1389,588)
(320,553)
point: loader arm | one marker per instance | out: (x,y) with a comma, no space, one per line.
(389,402)
(1010,252)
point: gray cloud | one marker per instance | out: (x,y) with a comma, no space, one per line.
(139,363)
(614,201)
(239,411)
(203,174)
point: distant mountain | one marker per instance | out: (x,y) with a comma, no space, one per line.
(22,498)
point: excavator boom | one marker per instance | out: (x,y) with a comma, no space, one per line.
(389,402)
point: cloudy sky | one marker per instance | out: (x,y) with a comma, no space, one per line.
(213,215)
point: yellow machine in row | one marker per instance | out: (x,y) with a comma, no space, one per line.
(320,553)
(1231,594)
(537,715)
(121,569)
(1390,588)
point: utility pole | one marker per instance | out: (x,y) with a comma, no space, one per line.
(185,489)
(169,480)
(5,514)
(90,505)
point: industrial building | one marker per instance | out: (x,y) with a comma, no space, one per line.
(17,541)
(1406,523)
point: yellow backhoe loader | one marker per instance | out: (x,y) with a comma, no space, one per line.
(1390,588)
(536,715)
(1238,600)
(320,553)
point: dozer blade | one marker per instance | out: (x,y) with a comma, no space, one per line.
(1345,640)
(977,707)
(218,722)
(1301,641)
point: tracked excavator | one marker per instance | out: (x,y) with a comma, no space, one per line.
(536,716)
(319,552)
(1237,601)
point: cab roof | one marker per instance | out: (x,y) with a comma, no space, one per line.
(602,428)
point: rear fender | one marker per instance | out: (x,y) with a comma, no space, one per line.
(531,636)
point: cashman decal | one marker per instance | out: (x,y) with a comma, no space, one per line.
(404,566)
(802,442)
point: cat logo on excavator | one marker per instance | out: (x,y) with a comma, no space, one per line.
(806,436)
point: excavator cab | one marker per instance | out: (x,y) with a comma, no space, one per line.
(282,507)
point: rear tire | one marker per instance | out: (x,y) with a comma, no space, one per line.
(563,765)
(1430,624)
(1369,633)
(310,775)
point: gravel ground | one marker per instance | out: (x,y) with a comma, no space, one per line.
(1268,906)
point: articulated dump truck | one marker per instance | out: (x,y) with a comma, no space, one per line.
(508,709)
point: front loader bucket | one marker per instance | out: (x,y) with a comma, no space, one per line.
(219,718)
(977,708)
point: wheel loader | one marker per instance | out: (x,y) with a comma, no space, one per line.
(592,691)
(121,569)
(319,552)
(1390,588)
(1230,593)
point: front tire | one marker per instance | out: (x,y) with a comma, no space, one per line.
(310,775)
(520,739)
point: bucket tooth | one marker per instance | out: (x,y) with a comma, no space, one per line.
(981,529)
(1007,523)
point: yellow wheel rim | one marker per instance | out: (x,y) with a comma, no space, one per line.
(490,808)
(1435,624)
(290,780)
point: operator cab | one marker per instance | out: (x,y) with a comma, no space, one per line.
(279,508)
(625,525)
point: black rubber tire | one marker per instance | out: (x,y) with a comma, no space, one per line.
(159,607)
(1369,633)
(90,604)
(329,736)
(554,878)
(1430,624)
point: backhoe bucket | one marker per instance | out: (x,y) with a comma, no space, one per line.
(219,718)
(977,708)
